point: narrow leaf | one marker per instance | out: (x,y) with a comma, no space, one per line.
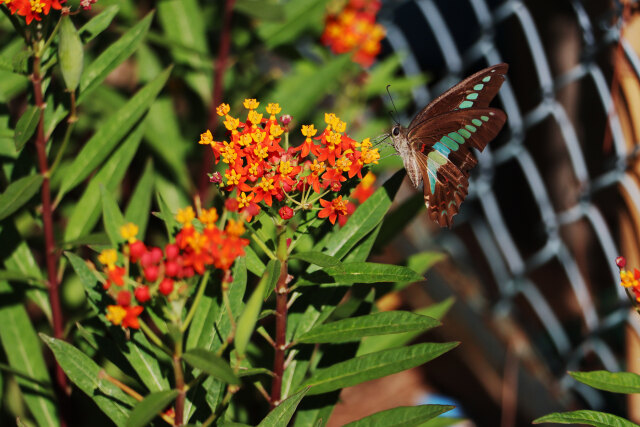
(18,193)
(85,374)
(207,361)
(24,354)
(87,278)
(354,328)
(26,126)
(139,205)
(150,407)
(403,416)
(112,217)
(167,216)
(365,272)
(374,365)
(281,414)
(98,23)
(617,382)
(113,56)
(110,132)
(318,258)
(70,53)
(592,418)
(140,355)
(18,276)
(88,209)
(247,320)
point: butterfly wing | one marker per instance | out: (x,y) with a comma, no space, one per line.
(475,91)
(442,147)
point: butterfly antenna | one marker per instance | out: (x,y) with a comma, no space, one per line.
(394,105)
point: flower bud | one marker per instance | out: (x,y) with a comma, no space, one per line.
(621,262)
(151,273)
(124,298)
(215,178)
(142,294)
(166,286)
(171,268)
(136,250)
(231,205)
(286,119)
(286,212)
(156,255)
(171,251)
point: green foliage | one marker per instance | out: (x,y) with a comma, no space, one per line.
(592,418)
(402,416)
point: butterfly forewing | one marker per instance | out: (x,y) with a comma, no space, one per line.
(475,91)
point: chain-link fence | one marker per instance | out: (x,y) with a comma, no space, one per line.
(540,225)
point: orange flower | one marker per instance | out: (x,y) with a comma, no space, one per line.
(127,317)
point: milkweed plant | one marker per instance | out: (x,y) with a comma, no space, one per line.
(188,244)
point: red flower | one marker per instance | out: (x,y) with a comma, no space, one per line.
(142,294)
(124,298)
(334,209)
(286,213)
(166,286)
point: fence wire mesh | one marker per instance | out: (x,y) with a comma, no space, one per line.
(542,208)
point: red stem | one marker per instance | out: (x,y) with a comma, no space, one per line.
(47,220)
(179,376)
(281,334)
(218,93)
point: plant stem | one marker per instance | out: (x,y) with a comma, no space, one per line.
(218,93)
(182,392)
(47,219)
(196,301)
(281,319)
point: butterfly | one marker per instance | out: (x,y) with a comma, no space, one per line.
(436,147)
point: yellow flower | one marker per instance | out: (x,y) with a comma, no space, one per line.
(244,200)
(231,123)
(129,232)
(275,131)
(206,138)
(343,163)
(223,109)
(235,228)
(245,140)
(273,109)
(185,216)
(108,257)
(229,155)
(253,168)
(115,314)
(371,156)
(261,151)
(339,126)
(208,217)
(330,119)
(233,178)
(365,144)
(285,167)
(266,184)
(317,167)
(254,117)
(309,130)
(250,104)
(258,136)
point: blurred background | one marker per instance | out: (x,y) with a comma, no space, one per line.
(529,264)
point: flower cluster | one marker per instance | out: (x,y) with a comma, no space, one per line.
(32,9)
(142,272)
(629,280)
(354,28)
(262,171)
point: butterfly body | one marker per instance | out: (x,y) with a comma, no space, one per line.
(436,147)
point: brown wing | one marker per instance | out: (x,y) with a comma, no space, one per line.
(475,91)
(442,147)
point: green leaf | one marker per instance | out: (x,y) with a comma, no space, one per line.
(85,374)
(365,272)
(167,216)
(24,354)
(140,355)
(254,263)
(300,16)
(26,126)
(378,343)
(70,53)
(87,211)
(112,217)
(151,406)
(87,277)
(354,328)
(402,416)
(374,365)
(365,218)
(442,422)
(272,271)
(113,56)
(261,10)
(318,258)
(184,25)
(592,418)
(617,382)
(207,361)
(247,320)
(98,23)
(110,132)
(18,193)
(18,276)
(281,414)
(139,205)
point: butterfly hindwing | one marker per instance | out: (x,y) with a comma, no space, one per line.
(441,145)
(475,91)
